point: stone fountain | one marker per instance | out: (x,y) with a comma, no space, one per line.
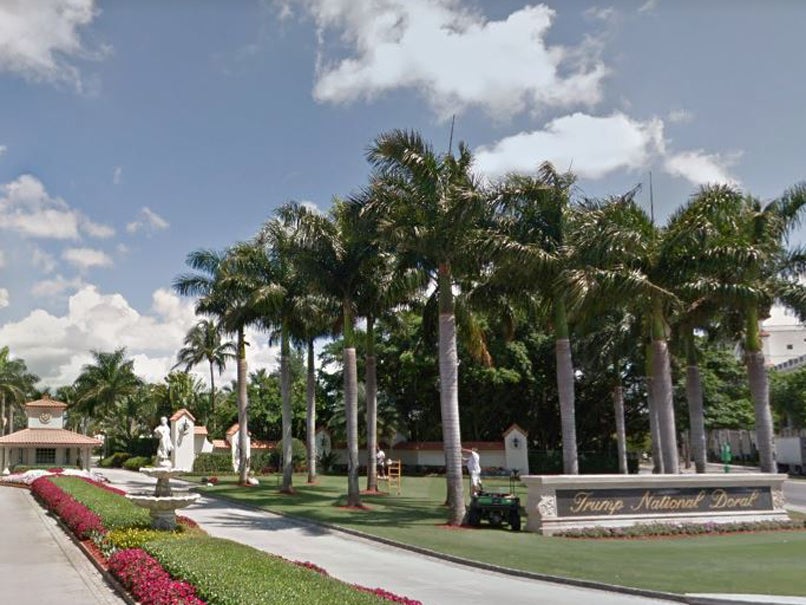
(163,504)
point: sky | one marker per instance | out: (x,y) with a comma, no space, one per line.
(132,133)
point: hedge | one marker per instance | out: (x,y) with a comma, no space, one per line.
(115,510)
(228,573)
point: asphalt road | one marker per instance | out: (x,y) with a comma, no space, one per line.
(795,494)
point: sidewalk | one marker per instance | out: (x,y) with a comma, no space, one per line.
(39,564)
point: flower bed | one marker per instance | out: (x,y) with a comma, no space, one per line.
(159,569)
(148,582)
(656,530)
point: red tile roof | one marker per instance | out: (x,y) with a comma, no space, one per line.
(46,402)
(199,430)
(182,412)
(44,437)
(437,445)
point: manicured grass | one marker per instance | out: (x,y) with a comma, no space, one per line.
(114,510)
(228,573)
(765,562)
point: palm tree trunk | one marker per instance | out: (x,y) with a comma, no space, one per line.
(372,407)
(310,418)
(696,415)
(285,397)
(212,396)
(2,414)
(565,388)
(449,397)
(351,410)
(654,429)
(662,395)
(621,435)
(760,393)
(243,406)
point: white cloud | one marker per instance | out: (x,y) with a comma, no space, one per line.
(680,116)
(2,259)
(38,39)
(3,149)
(96,229)
(117,175)
(148,221)
(648,6)
(50,288)
(588,145)
(602,14)
(86,258)
(455,57)
(55,347)
(4,298)
(28,209)
(42,260)
(702,168)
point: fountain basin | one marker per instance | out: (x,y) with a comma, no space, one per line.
(162,504)
(163,508)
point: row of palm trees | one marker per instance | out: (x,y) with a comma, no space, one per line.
(427,227)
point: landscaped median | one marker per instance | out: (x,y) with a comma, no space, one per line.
(186,567)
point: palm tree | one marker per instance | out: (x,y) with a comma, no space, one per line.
(15,384)
(224,295)
(332,252)
(748,266)
(531,236)
(626,261)
(432,210)
(203,343)
(105,382)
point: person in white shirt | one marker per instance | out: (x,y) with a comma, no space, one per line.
(380,460)
(473,468)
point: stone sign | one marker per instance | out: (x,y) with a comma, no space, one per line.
(586,502)
(558,502)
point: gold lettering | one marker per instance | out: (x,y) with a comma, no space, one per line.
(584,502)
(720,499)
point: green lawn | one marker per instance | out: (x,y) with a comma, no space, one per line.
(769,562)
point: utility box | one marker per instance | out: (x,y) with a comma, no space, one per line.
(791,454)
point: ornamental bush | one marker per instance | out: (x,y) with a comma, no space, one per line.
(212,463)
(136,463)
(116,460)
(148,582)
(80,519)
(228,573)
(114,509)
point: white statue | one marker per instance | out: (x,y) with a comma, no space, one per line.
(166,446)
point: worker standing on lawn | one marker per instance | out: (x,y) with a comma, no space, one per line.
(473,468)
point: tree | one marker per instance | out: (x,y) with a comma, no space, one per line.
(105,382)
(532,236)
(627,261)
(15,385)
(332,252)
(203,343)
(432,209)
(224,294)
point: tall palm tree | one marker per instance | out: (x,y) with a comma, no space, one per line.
(101,384)
(432,210)
(222,294)
(332,251)
(203,343)
(532,236)
(749,266)
(626,261)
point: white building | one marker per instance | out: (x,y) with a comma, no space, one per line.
(784,340)
(45,442)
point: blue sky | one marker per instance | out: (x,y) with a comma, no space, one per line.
(134,132)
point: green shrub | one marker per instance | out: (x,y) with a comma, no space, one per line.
(299,453)
(136,463)
(116,460)
(115,510)
(228,573)
(212,463)
(135,537)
